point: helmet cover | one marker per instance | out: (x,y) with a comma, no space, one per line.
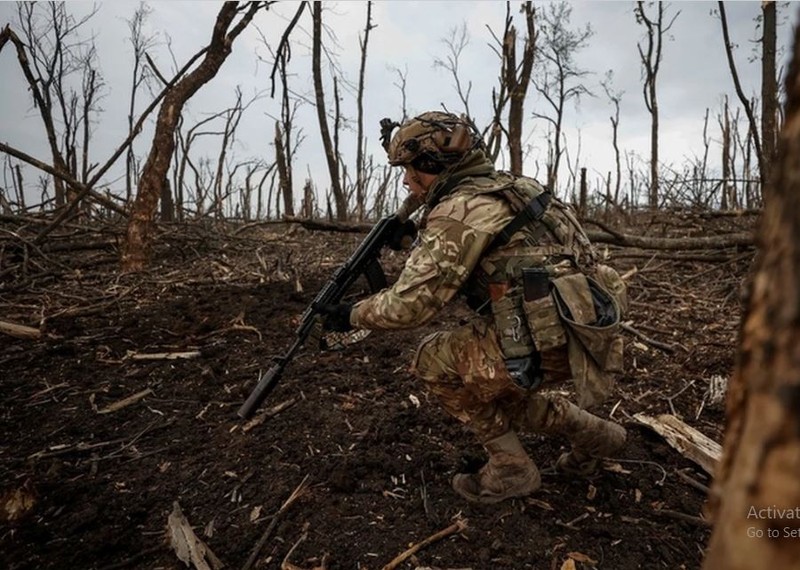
(436,135)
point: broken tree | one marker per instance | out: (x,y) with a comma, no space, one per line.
(154,173)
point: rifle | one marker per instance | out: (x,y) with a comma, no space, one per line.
(363,261)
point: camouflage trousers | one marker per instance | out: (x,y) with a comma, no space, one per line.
(464,368)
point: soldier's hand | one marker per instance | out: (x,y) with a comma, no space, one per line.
(403,235)
(335,317)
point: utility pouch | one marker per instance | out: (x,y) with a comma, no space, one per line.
(592,315)
(540,310)
(512,329)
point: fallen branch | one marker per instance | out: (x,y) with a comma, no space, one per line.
(19,331)
(311,224)
(267,414)
(647,340)
(697,521)
(125,402)
(692,444)
(273,523)
(454,528)
(684,243)
(711,269)
(740,239)
(691,481)
(165,355)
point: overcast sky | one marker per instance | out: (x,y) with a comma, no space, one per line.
(409,36)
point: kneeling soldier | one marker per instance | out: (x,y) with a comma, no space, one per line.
(546,311)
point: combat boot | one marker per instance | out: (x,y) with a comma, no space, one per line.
(508,473)
(591,438)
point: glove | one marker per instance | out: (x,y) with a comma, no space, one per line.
(335,317)
(403,234)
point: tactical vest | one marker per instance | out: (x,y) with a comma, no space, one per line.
(578,306)
(558,243)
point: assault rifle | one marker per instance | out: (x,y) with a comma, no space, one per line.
(390,230)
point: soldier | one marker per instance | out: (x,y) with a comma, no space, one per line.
(546,310)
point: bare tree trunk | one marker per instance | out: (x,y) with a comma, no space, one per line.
(725,125)
(154,172)
(140,44)
(615,142)
(20,188)
(769,89)
(517,85)
(360,178)
(584,194)
(308,199)
(652,62)
(748,108)
(756,494)
(89,92)
(330,152)
(44,104)
(283,172)
(232,118)
(167,205)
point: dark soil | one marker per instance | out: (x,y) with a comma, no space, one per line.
(378,454)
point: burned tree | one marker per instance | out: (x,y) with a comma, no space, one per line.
(284,128)
(154,172)
(49,52)
(514,80)
(456,42)
(746,103)
(361,182)
(615,97)
(284,179)
(769,88)
(140,74)
(330,152)
(558,79)
(756,493)
(651,58)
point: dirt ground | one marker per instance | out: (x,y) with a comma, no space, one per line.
(87,483)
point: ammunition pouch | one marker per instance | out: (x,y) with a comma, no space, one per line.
(573,311)
(513,333)
(540,310)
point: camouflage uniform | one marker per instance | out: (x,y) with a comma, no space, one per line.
(464,367)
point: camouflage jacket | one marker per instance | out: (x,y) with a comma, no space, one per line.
(461,223)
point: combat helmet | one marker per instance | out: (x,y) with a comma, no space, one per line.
(429,141)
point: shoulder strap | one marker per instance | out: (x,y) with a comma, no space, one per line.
(531,213)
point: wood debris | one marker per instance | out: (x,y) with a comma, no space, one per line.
(190,550)
(165,355)
(454,528)
(269,413)
(688,441)
(16,503)
(19,331)
(125,402)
